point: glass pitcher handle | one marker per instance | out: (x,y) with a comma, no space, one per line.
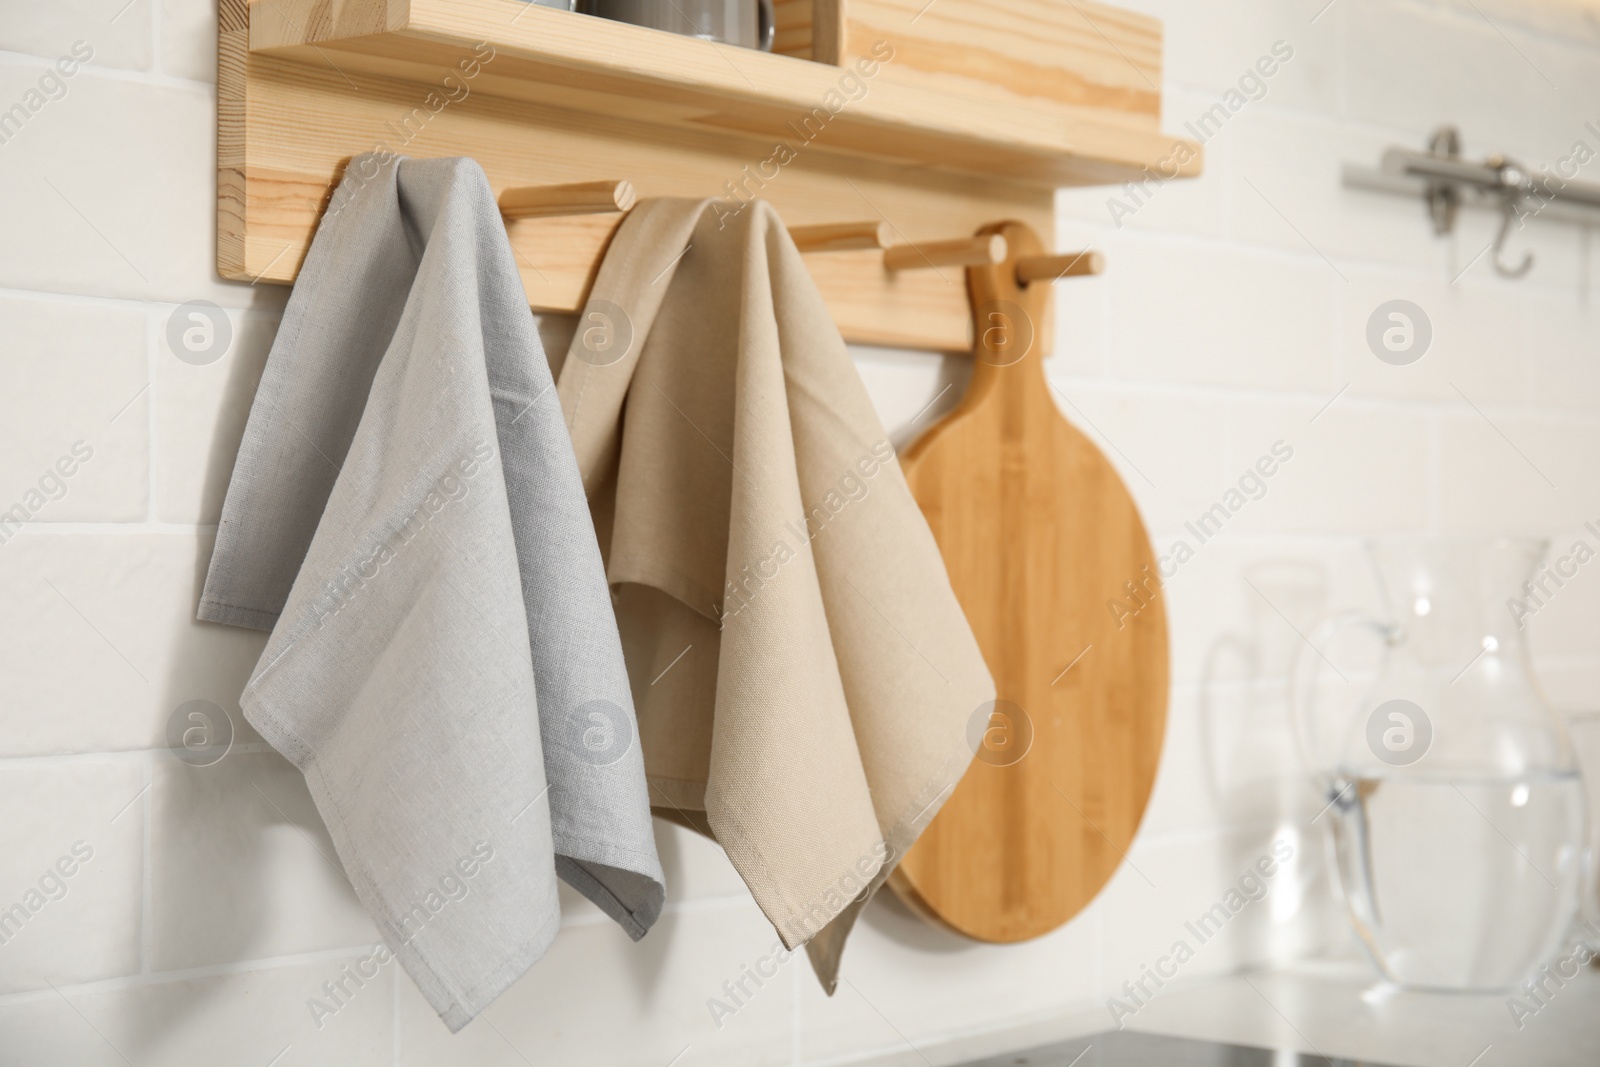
(1304,675)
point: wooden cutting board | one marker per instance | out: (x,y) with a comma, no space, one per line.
(1041,539)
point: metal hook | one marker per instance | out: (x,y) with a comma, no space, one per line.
(1444,198)
(1513,183)
(1508,212)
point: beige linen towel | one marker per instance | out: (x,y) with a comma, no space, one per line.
(802,671)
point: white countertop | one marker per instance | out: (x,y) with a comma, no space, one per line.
(1339,1009)
(1335,1009)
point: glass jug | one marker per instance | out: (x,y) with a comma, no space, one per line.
(1458,814)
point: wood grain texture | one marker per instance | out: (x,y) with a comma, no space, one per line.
(576,198)
(842,236)
(233,53)
(307,123)
(955,252)
(555,97)
(1071,57)
(612,69)
(794,35)
(1038,534)
(828,31)
(289,127)
(1061,265)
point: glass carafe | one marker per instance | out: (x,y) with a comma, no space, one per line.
(1458,813)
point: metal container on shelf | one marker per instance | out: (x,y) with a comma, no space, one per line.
(747,23)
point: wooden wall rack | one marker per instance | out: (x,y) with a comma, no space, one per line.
(926,125)
(983,250)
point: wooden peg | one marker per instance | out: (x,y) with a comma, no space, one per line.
(578,198)
(983,250)
(841,236)
(1066,265)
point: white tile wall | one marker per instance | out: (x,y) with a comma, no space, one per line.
(202,1019)
(241,866)
(958,986)
(99,645)
(201,409)
(188,39)
(76,380)
(597,997)
(1233,315)
(121,34)
(74,849)
(1245,318)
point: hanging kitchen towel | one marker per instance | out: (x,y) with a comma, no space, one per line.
(803,673)
(407,518)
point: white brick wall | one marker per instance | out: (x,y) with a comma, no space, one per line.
(1233,311)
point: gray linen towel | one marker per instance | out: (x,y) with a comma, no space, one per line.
(407,517)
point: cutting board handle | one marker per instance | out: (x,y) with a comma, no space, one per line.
(1011,324)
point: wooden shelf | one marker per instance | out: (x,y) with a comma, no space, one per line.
(608,67)
(305,84)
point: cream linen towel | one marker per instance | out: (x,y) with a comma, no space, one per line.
(803,673)
(407,518)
